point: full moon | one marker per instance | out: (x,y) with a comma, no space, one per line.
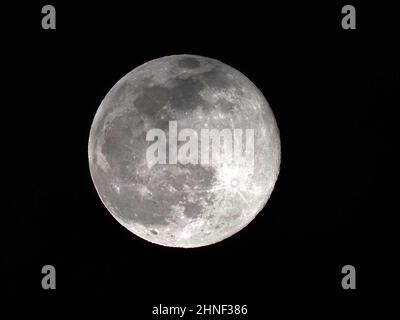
(184,151)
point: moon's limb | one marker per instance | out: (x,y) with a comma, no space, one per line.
(174,204)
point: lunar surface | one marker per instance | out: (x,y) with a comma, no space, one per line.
(184,201)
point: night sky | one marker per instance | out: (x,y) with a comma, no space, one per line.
(333,95)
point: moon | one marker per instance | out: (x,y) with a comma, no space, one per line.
(196,202)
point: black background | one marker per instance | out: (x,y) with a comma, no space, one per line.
(333,95)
